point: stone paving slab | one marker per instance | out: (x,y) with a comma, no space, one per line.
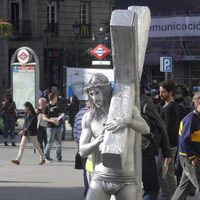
(29,181)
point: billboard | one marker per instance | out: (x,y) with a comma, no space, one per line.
(78,77)
(23,79)
(175,27)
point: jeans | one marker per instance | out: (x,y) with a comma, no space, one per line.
(168,183)
(35,143)
(9,128)
(42,136)
(54,134)
(150,178)
(190,177)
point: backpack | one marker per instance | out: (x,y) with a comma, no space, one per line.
(150,142)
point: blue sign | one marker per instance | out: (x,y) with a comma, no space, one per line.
(165,64)
(15,68)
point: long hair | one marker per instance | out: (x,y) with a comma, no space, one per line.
(8,98)
(30,107)
(100,81)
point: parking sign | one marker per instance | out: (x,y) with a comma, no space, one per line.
(166,64)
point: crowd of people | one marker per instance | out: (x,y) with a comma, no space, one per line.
(171,152)
(170,163)
(43,126)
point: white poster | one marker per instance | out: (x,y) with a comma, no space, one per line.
(175,26)
(78,77)
(23,85)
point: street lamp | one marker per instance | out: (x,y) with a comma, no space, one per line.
(76,31)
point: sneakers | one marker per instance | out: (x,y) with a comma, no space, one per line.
(13,144)
(41,162)
(60,160)
(16,162)
(48,159)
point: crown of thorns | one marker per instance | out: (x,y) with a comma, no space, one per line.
(92,86)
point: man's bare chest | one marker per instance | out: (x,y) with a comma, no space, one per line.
(97,126)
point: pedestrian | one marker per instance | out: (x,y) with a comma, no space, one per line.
(29,132)
(171,115)
(54,130)
(73,110)
(77,134)
(157,140)
(189,152)
(62,106)
(9,119)
(45,94)
(41,125)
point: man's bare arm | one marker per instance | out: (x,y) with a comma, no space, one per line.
(86,145)
(137,123)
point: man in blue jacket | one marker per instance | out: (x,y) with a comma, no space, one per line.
(189,151)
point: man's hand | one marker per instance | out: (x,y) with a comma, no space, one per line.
(56,122)
(194,161)
(167,160)
(21,133)
(117,125)
(98,140)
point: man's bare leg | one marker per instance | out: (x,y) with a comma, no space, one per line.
(96,192)
(128,192)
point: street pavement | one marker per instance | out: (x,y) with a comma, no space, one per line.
(29,181)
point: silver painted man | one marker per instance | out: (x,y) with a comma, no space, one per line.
(108,181)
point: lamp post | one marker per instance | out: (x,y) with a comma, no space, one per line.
(47,36)
(76,31)
(102,37)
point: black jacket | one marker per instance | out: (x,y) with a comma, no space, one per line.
(30,125)
(172,118)
(152,113)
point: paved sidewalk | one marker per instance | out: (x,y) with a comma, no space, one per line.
(52,181)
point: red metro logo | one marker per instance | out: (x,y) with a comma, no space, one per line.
(100,51)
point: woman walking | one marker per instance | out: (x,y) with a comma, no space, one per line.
(41,124)
(29,132)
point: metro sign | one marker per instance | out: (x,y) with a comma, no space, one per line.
(23,56)
(100,51)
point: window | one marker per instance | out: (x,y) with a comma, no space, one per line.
(52,19)
(16,14)
(84,15)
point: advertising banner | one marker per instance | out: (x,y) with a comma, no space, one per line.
(78,77)
(23,85)
(175,27)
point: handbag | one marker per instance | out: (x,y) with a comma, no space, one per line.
(78,161)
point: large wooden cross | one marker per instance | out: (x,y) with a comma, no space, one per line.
(129,34)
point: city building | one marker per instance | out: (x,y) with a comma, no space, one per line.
(174,32)
(61,32)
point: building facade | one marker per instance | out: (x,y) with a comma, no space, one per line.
(61,32)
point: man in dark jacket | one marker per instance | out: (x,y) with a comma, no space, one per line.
(171,115)
(161,141)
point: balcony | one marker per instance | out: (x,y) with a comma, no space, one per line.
(22,27)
